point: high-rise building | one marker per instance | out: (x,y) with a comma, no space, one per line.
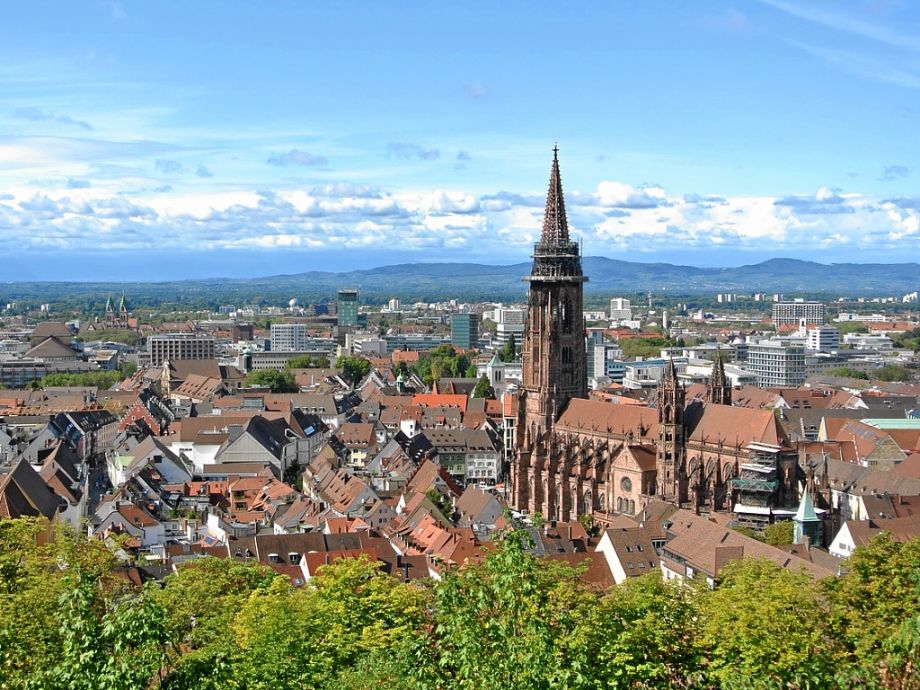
(464,331)
(348,308)
(289,337)
(509,321)
(173,346)
(778,363)
(792,313)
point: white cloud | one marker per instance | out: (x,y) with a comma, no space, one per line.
(620,195)
(72,212)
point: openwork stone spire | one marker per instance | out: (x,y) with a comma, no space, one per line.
(718,388)
(555,224)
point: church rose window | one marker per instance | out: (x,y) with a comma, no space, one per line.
(626,484)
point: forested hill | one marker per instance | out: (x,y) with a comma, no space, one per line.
(469,281)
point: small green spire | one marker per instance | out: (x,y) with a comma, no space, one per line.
(806,511)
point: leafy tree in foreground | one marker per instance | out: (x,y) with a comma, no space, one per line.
(105,644)
(872,602)
(201,600)
(300,638)
(649,628)
(763,628)
(510,622)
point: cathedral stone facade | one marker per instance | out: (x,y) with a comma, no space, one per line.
(576,456)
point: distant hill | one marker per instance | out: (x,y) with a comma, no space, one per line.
(468,281)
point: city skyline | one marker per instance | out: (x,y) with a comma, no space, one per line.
(240,140)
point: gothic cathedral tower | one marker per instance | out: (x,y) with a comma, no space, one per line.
(718,388)
(671,476)
(553,353)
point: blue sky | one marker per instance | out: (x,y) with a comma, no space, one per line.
(162,140)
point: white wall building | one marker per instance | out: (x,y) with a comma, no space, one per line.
(777,363)
(620,309)
(822,339)
(508,321)
(289,337)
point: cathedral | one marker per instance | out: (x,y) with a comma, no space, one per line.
(576,456)
(117,315)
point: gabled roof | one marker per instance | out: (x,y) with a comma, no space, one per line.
(473,503)
(51,348)
(909,468)
(634,549)
(737,426)
(902,529)
(271,435)
(51,329)
(427,476)
(708,547)
(644,457)
(356,434)
(23,493)
(866,438)
(603,418)
(440,400)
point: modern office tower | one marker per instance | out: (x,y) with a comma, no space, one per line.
(348,308)
(464,330)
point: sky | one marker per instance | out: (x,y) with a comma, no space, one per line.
(164,140)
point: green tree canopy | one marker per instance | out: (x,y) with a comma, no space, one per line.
(276,381)
(504,619)
(779,533)
(509,351)
(484,389)
(103,380)
(849,373)
(642,347)
(439,362)
(763,628)
(307,362)
(354,368)
(893,372)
